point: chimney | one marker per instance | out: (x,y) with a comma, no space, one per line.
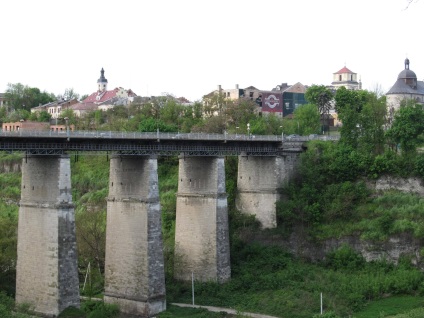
(237,86)
(219,88)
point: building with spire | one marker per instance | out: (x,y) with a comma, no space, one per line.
(345,77)
(102,82)
(406,87)
(103,98)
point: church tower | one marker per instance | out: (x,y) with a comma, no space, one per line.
(102,82)
(345,77)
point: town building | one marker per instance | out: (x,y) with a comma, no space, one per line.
(103,98)
(55,108)
(283,99)
(346,78)
(23,125)
(406,87)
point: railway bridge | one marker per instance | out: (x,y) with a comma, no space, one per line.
(47,271)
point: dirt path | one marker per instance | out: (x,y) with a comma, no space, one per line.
(227,310)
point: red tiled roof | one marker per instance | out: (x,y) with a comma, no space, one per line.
(84,106)
(344,70)
(104,96)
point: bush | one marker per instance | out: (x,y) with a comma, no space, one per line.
(98,309)
(72,312)
(345,258)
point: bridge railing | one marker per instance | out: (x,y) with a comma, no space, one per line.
(157,135)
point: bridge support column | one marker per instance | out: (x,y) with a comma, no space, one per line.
(47,272)
(201,235)
(258,184)
(134,269)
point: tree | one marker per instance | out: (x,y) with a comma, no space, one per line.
(322,97)
(25,97)
(407,125)
(349,104)
(308,118)
(214,104)
(265,125)
(239,112)
(363,115)
(69,94)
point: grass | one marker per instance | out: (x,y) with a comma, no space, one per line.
(391,307)
(180,312)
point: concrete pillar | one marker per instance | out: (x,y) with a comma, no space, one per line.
(47,272)
(258,183)
(134,269)
(201,235)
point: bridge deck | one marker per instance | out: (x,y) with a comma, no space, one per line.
(151,143)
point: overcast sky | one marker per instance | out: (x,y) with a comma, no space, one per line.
(188,47)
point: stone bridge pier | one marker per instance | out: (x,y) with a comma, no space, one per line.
(201,234)
(46,271)
(134,268)
(259,184)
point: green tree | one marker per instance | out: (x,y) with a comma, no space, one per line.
(407,125)
(322,97)
(265,125)
(349,105)
(308,118)
(25,97)
(372,123)
(239,112)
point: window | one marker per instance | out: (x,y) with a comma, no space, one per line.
(340,78)
(250,94)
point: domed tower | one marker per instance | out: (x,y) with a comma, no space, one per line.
(102,82)
(406,87)
(408,76)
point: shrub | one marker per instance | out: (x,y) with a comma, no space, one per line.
(345,258)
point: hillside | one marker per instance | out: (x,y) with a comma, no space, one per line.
(278,272)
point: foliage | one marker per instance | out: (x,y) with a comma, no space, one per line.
(269,278)
(8,246)
(68,94)
(321,97)
(238,113)
(392,306)
(363,115)
(72,312)
(97,309)
(345,258)
(21,96)
(308,117)
(407,125)
(265,125)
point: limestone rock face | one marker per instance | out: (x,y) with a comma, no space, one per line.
(412,184)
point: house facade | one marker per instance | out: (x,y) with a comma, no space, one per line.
(55,108)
